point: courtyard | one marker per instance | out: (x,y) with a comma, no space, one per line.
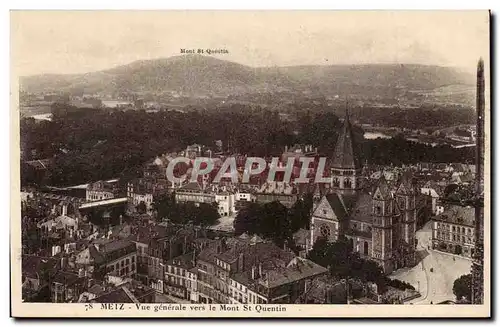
(435,273)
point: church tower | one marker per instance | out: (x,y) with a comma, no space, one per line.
(382,228)
(406,198)
(346,168)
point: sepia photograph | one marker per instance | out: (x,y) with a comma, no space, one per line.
(250,164)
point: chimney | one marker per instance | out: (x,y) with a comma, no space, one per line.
(253,272)
(72,262)
(260,269)
(194,258)
(241,262)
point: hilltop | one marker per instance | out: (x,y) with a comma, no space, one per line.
(205,75)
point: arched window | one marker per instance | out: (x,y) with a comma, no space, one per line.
(378,209)
(365,248)
(347,183)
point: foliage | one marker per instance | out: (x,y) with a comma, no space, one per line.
(270,220)
(89,145)
(462,288)
(399,284)
(300,213)
(344,263)
(203,214)
(141,207)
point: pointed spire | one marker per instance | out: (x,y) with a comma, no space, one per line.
(346,109)
(480,64)
(345,155)
(383,188)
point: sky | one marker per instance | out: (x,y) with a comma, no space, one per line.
(66,42)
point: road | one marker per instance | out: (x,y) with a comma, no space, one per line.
(435,286)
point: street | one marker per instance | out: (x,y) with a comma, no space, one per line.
(435,286)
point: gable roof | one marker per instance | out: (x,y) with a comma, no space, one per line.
(336,203)
(406,185)
(382,190)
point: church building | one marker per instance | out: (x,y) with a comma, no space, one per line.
(379,220)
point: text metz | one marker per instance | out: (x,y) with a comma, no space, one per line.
(112,306)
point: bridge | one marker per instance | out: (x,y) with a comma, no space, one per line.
(68,205)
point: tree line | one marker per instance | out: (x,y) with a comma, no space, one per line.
(88,145)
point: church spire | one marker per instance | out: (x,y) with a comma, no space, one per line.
(345,154)
(346,109)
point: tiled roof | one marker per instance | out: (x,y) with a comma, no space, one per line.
(185,261)
(193,186)
(65,277)
(296,270)
(344,155)
(33,265)
(96,289)
(116,296)
(362,209)
(112,246)
(337,204)
(456,214)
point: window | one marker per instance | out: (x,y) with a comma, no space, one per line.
(324,211)
(378,210)
(347,183)
(454,229)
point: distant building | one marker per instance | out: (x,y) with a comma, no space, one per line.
(432,192)
(103,256)
(67,286)
(181,277)
(453,231)
(277,191)
(193,192)
(226,202)
(102,190)
(250,270)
